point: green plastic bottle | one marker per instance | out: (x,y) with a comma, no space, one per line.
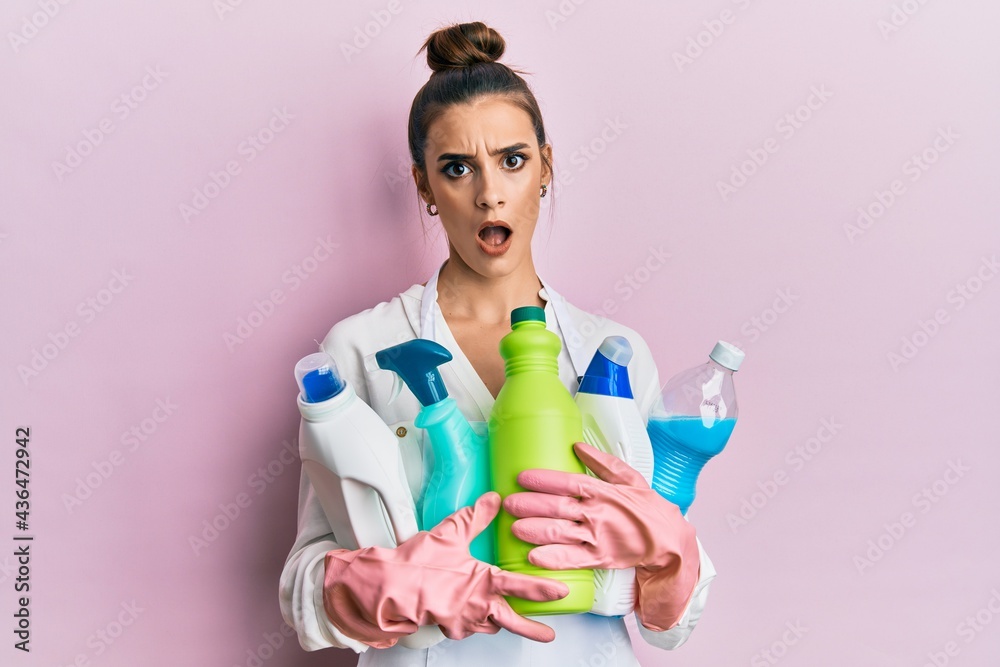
(533,424)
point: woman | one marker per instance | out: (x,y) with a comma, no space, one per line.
(481,164)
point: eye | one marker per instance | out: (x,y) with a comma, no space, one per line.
(523,158)
(448,166)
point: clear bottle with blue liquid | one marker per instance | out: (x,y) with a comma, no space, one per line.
(692,422)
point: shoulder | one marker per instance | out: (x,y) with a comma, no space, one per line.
(592,329)
(385,324)
(370,326)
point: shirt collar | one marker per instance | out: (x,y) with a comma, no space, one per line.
(555,308)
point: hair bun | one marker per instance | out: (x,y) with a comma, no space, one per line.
(463,45)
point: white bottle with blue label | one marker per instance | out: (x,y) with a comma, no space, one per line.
(612,423)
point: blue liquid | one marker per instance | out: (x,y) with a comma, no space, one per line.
(681,448)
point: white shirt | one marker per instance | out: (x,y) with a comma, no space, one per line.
(415,313)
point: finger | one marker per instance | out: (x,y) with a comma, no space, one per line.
(565,557)
(556,481)
(527,586)
(486,508)
(543,530)
(609,467)
(528,503)
(460,629)
(466,523)
(510,620)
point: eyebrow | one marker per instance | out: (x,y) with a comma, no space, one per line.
(498,151)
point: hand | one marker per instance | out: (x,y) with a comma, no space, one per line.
(378,595)
(613,521)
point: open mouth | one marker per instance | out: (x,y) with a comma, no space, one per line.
(494,237)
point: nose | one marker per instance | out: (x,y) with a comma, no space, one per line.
(489,195)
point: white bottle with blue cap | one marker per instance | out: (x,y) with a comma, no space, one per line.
(352,460)
(355,467)
(612,423)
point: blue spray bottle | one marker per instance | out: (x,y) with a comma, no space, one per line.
(456,465)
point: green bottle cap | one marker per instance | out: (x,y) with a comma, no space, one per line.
(525,313)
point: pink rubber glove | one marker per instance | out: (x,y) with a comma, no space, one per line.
(614,521)
(378,594)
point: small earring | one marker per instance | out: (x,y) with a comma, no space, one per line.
(545,189)
(434,212)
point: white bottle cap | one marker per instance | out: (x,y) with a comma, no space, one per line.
(314,362)
(617,350)
(728,355)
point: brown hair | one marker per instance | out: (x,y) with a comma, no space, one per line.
(463,59)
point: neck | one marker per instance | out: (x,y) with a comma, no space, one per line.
(466,294)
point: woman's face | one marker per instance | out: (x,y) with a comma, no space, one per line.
(484,173)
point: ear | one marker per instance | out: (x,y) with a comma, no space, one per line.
(546,150)
(420,179)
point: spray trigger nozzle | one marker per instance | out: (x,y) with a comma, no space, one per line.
(415,364)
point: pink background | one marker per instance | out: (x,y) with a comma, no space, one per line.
(801,555)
